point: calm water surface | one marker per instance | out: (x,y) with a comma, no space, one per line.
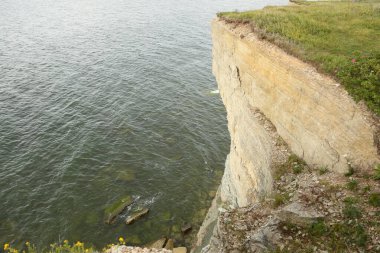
(100,99)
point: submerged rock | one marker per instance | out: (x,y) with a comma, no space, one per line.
(186,228)
(169,244)
(113,210)
(135,216)
(134,239)
(159,244)
(180,250)
(92,218)
(212,194)
(127,176)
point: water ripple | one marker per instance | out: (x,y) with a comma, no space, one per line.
(94,91)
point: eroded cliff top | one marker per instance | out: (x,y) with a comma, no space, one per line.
(340,39)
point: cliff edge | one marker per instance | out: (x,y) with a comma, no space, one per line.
(294,134)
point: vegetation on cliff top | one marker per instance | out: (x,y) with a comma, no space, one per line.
(339,38)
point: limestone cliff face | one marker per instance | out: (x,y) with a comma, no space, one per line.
(276,106)
(272,97)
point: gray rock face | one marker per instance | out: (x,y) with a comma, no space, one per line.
(265,237)
(299,214)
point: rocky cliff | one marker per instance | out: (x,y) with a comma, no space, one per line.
(281,114)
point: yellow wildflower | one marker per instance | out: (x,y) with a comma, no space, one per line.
(86,250)
(6,246)
(65,241)
(121,240)
(79,244)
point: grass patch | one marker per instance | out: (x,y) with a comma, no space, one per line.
(352,185)
(323,170)
(350,200)
(318,228)
(280,199)
(376,174)
(374,199)
(339,38)
(351,233)
(293,164)
(350,171)
(337,237)
(352,212)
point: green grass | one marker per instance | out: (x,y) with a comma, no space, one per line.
(280,199)
(376,175)
(293,164)
(336,237)
(323,170)
(339,38)
(374,199)
(352,185)
(350,211)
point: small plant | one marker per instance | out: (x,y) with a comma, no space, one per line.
(323,170)
(352,212)
(352,185)
(376,174)
(66,247)
(374,199)
(350,233)
(350,200)
(366,189)
(294,163)
(350,171)
(297,164)
(280,199)
(318,228)
(280,141)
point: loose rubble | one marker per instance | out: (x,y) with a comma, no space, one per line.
(310,210)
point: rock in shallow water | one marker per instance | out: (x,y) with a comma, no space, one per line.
(159,244)
(113,210)
(169,244)
(137,215)
(180,250)
(186,228)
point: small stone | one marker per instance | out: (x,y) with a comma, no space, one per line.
(169,245)
(180,250)
(212,194)
(299,214)
(159,244)
(186,228)
(135,216)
